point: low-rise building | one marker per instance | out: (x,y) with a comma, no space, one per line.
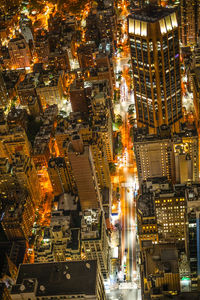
(80,158)
(94,238)
(43,142)
(147,221)
(4,293)
(26,87)
(26,28)
(186,155)
(192,193)
(34,106)
(59,175)
(50,88)
(175,157)
(168,205)
(13,140)
(61,240)
(18,219)
(17,117)
(11,79)
(159,270)
(41,45)
(71,279)
(23,169)
(154,156)
(7,179)
(20,55)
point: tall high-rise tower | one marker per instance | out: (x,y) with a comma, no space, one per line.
(84,172)
(154,42)
(190,12)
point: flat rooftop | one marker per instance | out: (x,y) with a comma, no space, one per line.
(59,278)
(151,13)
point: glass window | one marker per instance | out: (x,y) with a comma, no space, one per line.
(131,26)
(168,23)
(137,27)
(174,20)
(143,28)
(162,26)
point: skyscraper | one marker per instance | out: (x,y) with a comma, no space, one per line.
(59,175)
(172,156)
(154,42)
(94,238)
(4,93)
(186,153)
(84,172)
(19,217)
(190,11)
(20,55)
(13,140)
(193,232)
(25,172)
(154,156)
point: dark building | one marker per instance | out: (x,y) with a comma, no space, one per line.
(78,97)
(72,279)
(190,12)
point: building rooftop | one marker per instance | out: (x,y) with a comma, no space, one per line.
(146,205)
(91,224)
(160,187)
(28,82)
(12,77)
(15,211)
(184,296)
(60,278)
(162,258)
(152,13)
(67,202)
(15,251)
(141,136)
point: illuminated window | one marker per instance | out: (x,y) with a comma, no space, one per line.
(131,26)
(162,26)
(137,27)
(168,23)
(174,20)
(143,28)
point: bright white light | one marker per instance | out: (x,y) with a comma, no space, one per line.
(132,98)
(120,275)
(131,26)
(115,252)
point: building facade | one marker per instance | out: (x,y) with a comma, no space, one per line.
(18,219)
(190,12)
(59,175)
(94,239)
(20,55)
(186,155)
(154,158)
(155,56)
(25,172)
(80,158)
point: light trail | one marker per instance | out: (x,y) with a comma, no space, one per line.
(128,181)
(126,174)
